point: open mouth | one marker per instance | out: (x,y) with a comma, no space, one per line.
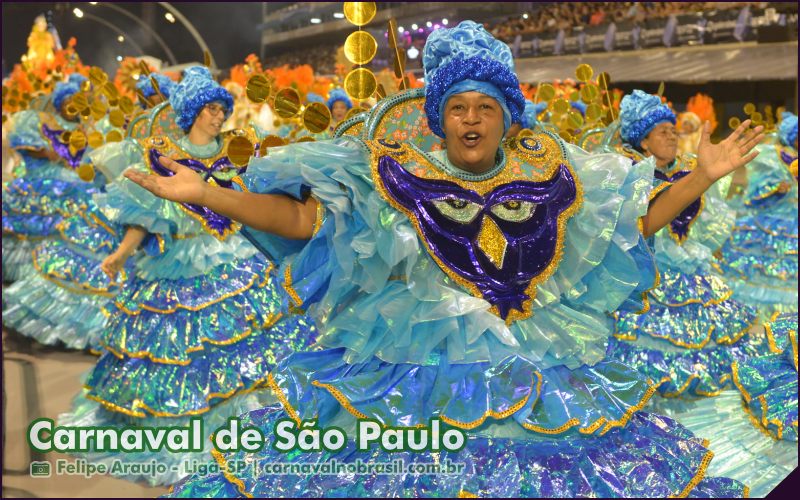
(471,139)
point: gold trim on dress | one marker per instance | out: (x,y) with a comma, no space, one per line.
(142,307)
(698,476)
(287,285)
(223,463)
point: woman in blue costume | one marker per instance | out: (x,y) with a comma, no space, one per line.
(691,327)
(63,300)
(145,86)
(197,324)
(339,104)
(50,188)
(760,258)
(469,285)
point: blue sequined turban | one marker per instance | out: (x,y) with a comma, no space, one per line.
(788,129)
(468,58)
(65,89)
(165,85)
(639,113)
(195,90)
(338,95)
(314,97)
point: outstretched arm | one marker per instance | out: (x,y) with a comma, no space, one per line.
(714,161)
(272,213)
(112,264)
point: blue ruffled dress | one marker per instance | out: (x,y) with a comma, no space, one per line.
(63,300)
(195,327)
(412,334)
(35,203)
(759,260)
(692,327)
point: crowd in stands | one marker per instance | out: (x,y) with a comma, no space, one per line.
(567,16)
(322,59)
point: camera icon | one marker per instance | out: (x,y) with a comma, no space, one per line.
(40,469)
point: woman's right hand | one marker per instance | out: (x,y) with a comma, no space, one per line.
(186,186)
(113,264)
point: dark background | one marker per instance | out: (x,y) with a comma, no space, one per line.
(230,30)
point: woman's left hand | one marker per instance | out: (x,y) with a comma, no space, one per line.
(715,161)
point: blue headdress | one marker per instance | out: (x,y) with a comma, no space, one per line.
(314,97)
(579,106)
(64,90)
(338,95)
(639,113)
(77,79)
(195,90)
(165,85)
(787,130)
(468,58)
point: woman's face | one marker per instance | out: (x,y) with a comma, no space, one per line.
(210,119)
(662,143)
(473,127)
(338,111)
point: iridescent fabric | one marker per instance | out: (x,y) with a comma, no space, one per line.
(693,326)
(742,448)
(62,300)
(653,456)
(759,260)
(405,342)
(197,323)
(36,202)
(768,384)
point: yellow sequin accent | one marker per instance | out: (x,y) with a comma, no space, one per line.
(687,345)
(499,415)
(320,216)
(103,224)
(287,285)
(545,166)
(466,494)
(340,398)
(630,411)
(239,182)
(492,242)
(737,383)
(711,302)
(121,352)
(223,463)
(138,404)
(698,476)
(276,390)
(685,386)
(83,288)
(353,130)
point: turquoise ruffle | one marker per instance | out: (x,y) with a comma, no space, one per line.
(654,456)
(88,413)
(742,451)
(140,386)
(170,319)
(366,245)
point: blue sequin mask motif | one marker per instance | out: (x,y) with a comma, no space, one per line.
(498,242)
(680,225)
(62,149)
